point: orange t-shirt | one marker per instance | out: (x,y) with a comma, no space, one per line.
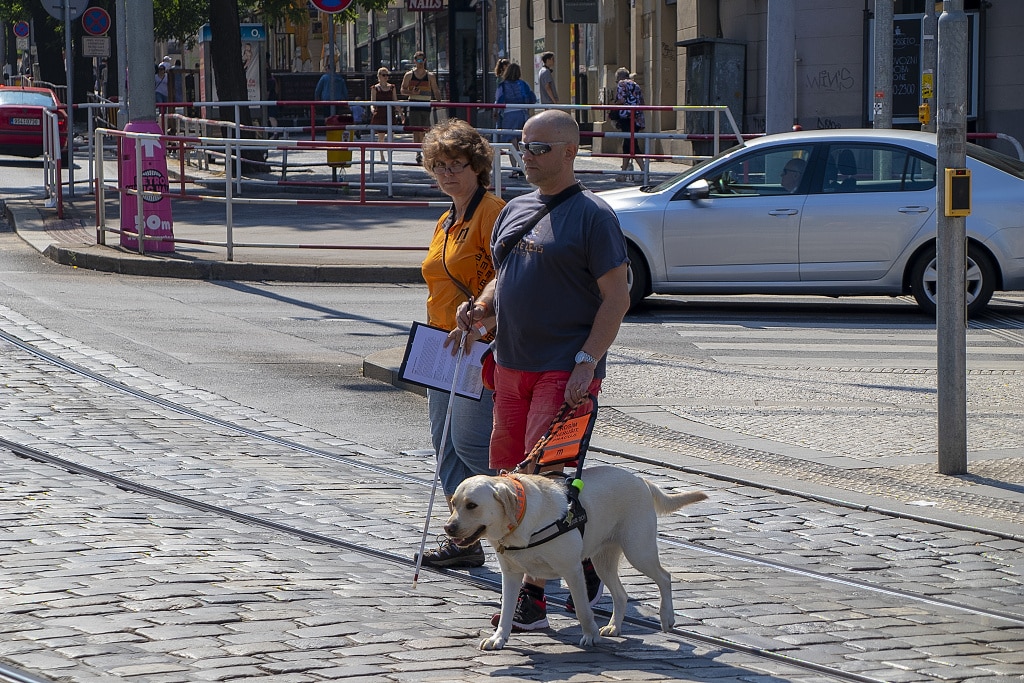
(466,247)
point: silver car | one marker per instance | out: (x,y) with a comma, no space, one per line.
(835,212)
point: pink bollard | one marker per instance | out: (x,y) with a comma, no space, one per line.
(156,205)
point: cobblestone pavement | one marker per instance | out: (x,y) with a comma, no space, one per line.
(100,583)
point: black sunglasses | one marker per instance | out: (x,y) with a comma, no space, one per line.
(540,148)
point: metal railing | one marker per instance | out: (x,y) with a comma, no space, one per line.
(51,162)
(228,148)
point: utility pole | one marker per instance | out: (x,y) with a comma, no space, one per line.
(881,109)
(122,63)
(951,314)
(142,94)
(781,81)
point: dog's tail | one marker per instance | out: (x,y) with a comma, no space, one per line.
(664,502)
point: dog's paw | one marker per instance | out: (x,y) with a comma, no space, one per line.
(609,631)
(587,641)
(667,624)
(495,642)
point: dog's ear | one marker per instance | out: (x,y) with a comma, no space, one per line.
(506,497)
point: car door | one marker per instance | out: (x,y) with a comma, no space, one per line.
(872,202)
(747,230)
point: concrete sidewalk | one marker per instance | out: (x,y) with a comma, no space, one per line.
(73,240)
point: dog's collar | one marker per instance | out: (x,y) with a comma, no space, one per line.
(520,500)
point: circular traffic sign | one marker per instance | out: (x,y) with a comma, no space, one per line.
(96,21)
(21,29)
(331,6)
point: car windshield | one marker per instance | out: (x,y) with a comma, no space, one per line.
(37,99)
(690,171)
(1004,163)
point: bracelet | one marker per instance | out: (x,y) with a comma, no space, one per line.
(481,330)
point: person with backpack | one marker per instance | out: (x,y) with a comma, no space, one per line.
(513,90)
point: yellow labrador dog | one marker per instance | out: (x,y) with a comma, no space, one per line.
(622,511)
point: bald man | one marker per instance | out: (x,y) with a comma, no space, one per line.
(559,294)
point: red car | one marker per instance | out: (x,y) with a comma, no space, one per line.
(21,119)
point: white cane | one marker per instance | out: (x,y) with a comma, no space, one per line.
(440,456)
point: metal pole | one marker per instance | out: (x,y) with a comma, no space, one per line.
(142,96)
(69,65)
(928,58)
(122,64)
(882,105)
(330,57)
(780,84)
(951,316)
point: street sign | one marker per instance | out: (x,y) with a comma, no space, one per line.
(424,5)
(96,21)
(331,6)
(55,8)
(21,29)
(95,46)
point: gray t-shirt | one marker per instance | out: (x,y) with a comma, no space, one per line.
(545,78)
(547,295)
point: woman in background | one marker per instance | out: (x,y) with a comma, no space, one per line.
(382,90)
(513,90)
(629,93)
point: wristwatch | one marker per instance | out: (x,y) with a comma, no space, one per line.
(584,357)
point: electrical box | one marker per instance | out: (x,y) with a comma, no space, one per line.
(715,75)
(924,114)
(958,192)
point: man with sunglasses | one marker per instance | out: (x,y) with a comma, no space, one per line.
(559,294)
(419,85)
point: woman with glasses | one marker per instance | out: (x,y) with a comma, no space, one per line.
(382,90)
(457,266)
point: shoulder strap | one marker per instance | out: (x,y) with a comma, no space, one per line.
(449,222)
(510,242)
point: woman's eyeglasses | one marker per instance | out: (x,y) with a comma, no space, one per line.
(539,148)
(438,169)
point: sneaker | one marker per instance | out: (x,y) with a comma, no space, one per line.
(419,158)
(531,614)
(595,588)
(452,556)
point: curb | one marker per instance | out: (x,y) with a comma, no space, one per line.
(114,259)
(383,366)
(98,258)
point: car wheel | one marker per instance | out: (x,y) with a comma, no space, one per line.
(981,280)
(638,276)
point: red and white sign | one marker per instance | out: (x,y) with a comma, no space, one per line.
(331,6)
(96,21)
(424,5)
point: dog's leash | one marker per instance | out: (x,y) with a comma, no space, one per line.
(576,515)
(561,418)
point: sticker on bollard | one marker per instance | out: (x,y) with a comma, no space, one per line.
(156,205)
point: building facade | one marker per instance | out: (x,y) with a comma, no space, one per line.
(683,52)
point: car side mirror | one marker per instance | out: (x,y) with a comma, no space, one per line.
(698,189)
